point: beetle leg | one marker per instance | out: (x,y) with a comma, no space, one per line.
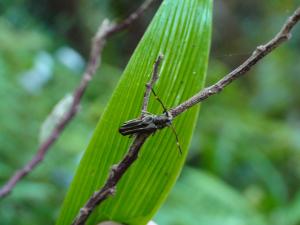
(145,113)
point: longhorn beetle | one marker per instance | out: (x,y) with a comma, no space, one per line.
(150,123)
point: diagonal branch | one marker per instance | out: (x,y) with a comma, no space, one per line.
(119,170)
(260,52)
(115,175)
(105,31)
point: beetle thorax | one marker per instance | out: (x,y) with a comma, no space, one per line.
(162,120)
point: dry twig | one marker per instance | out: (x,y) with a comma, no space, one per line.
(115,175)
(260,52)
(150,84)
(105,31)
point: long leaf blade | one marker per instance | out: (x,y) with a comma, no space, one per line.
(181,31)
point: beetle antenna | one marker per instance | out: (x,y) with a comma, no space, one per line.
(159,100)
(177,139)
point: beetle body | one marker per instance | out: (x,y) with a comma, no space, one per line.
(150,123)
(147,124)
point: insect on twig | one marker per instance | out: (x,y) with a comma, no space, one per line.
(149,123)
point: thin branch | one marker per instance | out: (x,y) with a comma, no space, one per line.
(119,170)
(116,174)
(105,31)
(260,52)
(150,84)
(131,18)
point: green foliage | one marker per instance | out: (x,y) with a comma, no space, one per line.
(289,214)
(181,31)
(200,199)
(247,136)
(35,200)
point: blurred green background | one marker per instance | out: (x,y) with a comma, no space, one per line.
(243,167)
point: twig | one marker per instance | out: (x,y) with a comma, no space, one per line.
(105,31)
(131,18)
(150,84)
(109,188)
(260,52)
(119,170)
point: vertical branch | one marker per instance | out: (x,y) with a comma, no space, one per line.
(151,83)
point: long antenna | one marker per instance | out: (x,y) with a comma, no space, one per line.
(177,139)
(155,73)
(159,100)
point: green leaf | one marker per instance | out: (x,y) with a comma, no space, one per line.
(201,199)
(287,214)
(180,30)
